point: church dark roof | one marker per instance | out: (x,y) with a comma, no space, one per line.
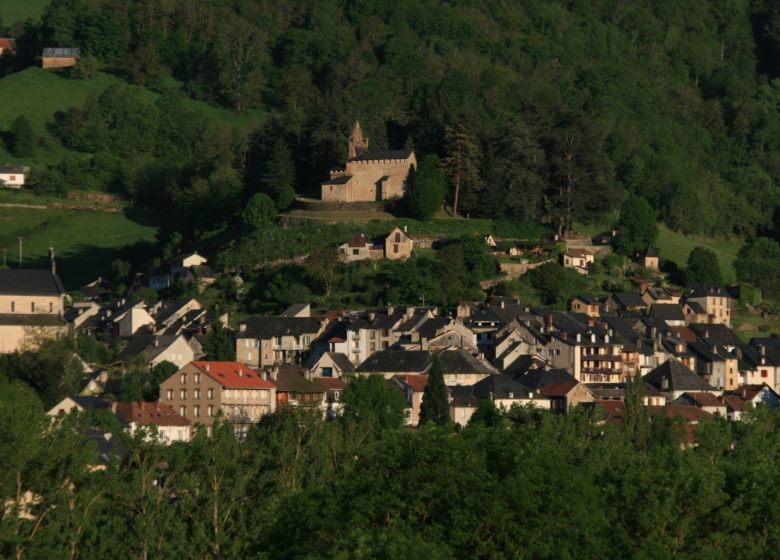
(373,155)
(30,282)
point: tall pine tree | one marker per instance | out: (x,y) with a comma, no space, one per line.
(435,407)
(461,166)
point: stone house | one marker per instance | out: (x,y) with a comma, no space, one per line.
(171,427)
(585,304)
(369,175)
(715,301)
(578,259)
(650,259)
(31,308)
(267,341)
(590,357)
(398,245)
(413,387)
(200,390)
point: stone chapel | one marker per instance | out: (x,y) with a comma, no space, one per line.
(369,175)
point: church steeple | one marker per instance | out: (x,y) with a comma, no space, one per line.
(356,141)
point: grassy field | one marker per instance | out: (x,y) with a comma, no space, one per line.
(676,247)
(85,242)
(12,11)
(39,94)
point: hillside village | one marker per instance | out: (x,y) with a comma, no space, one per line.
(679,342)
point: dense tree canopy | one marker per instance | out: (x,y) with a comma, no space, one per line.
(703,267)
(556,112)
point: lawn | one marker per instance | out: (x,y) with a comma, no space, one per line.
(85,242)
(39,94)
(12,11)
(676,247)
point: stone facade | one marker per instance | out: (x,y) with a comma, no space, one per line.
(369,175)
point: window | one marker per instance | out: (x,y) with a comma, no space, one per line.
(246,343)
(395,248)
(197,393)
(210,410)
(373,346)
(327,372)
(169,394)
(51,307)
(764,373)
(197,375)
(355,251)
(210,393)
(13,306)
(397,238)
(183,379)
(183,410)
(336,396)
(196,411)
(32,307)
(182,394)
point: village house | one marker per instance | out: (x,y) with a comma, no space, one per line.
(332,364)
(412,387)
(200,390)
(12,176)
(358,249)
(559,386)
(650,259)
(153,350)
(295,390)
(132,320)
(749,396)
(591,358)
(170,427)
(374,331)
(80,404)
(31,308)
(715,301)
(585,304)
(672,379)
(398,245)
(395,362)
(369,175)
(578,259)
(267,341)
(58,57)
(502,390)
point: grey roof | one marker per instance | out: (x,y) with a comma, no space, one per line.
(91,403)
(429,328)
(717,332)
(341,360)
(342,180)
(696,307)
(24,282)
(628,299)
(293,380)
(536,379)
(587,298)
(499,386)
(31,319)
(264,328)
(10,168)
(651,252)
(61,52)
(146,345)
(369,155)
(396,361)
(704,290)
(679,378)
(667,312)
(460,361)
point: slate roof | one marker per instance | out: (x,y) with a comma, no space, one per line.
(91,403)
(24,282)
(341,360)
(586,298)
(499,386)
(537,379)
(461,361)
(429,328)
(263,328)
(667,312)
(61,52)
(703,290)
(146,345)
(651,252)
(696,307)
(680,378)
(293,380)
(396,361)
(31,319)
(628,299)
(11,168)
(700,398)
(371,155)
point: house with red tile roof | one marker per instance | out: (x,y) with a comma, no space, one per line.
(157,416)
(201,390)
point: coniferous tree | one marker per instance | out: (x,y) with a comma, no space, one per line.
(219,345)
(435,406)
(637,228)
(703,267)
(428,188)
(461,166)
(22,137)
(277,178)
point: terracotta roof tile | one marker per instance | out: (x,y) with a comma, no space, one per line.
(149,413)
(234,375)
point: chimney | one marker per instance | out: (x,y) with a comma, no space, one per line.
(762,349)
(390,310)
(274,373)
(207,366)
(503,304)
(606,338)
(404,229)
(371,316)
(240,372)
(242,327)
(549,322)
